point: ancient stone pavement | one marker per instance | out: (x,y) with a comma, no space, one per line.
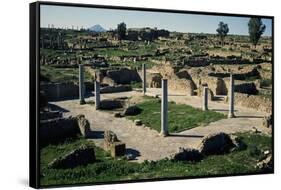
(145,143)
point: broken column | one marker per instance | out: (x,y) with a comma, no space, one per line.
(113,144)
(205,98)
(164,108)
(97,95)
(81,84)
(144,78)
(231,97)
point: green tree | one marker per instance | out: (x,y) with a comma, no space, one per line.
(222,31)
(256,29)
(121,30)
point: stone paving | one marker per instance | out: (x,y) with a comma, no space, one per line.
(145,143)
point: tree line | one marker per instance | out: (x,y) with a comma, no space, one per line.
(255,28)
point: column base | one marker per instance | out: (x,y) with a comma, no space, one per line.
(231,115)
(82,102)
(164,134)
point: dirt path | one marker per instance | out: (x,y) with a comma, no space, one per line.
(146,144)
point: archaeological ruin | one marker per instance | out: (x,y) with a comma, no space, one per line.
(129,102)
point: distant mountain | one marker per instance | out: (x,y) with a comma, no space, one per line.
(97,28)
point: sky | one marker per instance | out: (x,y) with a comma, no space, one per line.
(63,16)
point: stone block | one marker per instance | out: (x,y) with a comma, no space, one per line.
(117,149)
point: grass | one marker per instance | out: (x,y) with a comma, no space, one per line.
(139,51)
(133,65)
(180,116)
(110,169)
(54,74)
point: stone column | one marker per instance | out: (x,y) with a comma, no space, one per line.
(205,98)
(143,78)
(81,84)
(164,108)
(97,95)
(231,97)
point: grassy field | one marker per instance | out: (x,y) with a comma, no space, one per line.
(109,169)
(53,74)
(133,65)
(180,117)
(138,49)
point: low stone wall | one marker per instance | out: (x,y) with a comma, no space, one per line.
(238,76)
(113,89)
(55,130)
(253,101)
(44,115)
(56,91)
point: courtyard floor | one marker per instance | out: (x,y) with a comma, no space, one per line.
(145,143)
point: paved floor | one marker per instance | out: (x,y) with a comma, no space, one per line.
(145,143)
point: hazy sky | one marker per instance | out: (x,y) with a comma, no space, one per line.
(63,16)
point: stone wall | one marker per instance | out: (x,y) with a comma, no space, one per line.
(238,76)
(55,130)
(266,70)
(178,80)
(218,86)
(246,88)
(56,91)
(253,101)
(181,85)
(113,89)
(154,80)
(115,76)
(123,76)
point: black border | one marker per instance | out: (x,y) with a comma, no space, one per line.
(34,154)
(34,160)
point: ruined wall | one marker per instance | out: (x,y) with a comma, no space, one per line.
(253,101)
(181,85)
(218,86)
(237,75)
(166,70)
(53,130)
(178,80)
(115,76)
(266,70)
(56,91)
(113,89)
(123,76)
(246,88)
(154,80)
